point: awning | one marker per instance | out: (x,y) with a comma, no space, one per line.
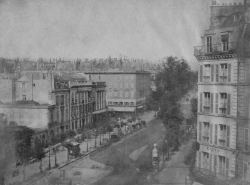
(122,109)
(140,107)
(100,111)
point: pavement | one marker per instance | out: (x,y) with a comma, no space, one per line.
(32,175)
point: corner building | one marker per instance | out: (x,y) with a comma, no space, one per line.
(224,96)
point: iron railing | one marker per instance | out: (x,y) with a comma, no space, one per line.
(216,49)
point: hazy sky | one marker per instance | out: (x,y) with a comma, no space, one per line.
(148,29)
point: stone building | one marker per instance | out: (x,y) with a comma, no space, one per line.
(224,94)
(126,91)
(54,100)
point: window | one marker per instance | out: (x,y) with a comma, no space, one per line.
(245,169)
(224,135)
(110,102)
(205,160)
(209,44)
(223,103)
(23,86)
(24,97)
(127,103)
(131,103)
(223,73)
(57,100)
(246,139)
(207,102)
(223,165)
(120,103)
(207,72)
(205,132)
(225,42)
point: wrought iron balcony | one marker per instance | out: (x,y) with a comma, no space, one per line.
(216,49)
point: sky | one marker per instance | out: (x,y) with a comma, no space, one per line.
(145,29)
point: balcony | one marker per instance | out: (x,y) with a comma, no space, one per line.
(223,108)
(223,79)
(206,79)
(215,49)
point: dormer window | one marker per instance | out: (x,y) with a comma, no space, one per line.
(225,42)
(209,44)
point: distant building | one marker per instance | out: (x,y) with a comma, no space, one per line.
(55,100)
(126,91)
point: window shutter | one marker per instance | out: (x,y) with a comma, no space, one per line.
(199,160)
(227,166)
(211,133)
(229,73)
(212,103)
(200,128)
(212,73)
(246,139)
(201,72)
(228,136)
(215,134)
(200,102)
(210,162)
(216,103)
(245,167)
(217,72)
(215,163)
(228,103)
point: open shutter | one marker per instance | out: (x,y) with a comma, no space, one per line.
(201,72)
(212,73)
(199,160)
(228,136)
(200,102)
(199,131)
(217,72)
(215,163)
(216,103)
(228,104)
(210,162)
(229,73)
(211,133)
(246,139)
(212,103)
(227,166)
(215,134)
(245,167)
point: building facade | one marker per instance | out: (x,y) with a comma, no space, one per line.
(223,94)
(55,100)
(126,91)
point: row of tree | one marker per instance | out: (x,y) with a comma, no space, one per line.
(173,81)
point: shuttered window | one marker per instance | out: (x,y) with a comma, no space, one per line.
(217,72)
(245,167)
(216,103)
(201,72)
(199,131)
(215,163)
(227,166)
(199,160)
(246,136)
(200,102)
(212,73)
(210,162)
(228,136)
(212,103)
(211,133)
(229,72)
(215,134)
(228,103)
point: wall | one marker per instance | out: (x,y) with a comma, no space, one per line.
(7,94)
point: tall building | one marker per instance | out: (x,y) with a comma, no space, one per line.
(223,95)
(126,91)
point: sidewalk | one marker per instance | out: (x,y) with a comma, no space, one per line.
(32,171)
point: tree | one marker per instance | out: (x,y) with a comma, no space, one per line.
(38,152)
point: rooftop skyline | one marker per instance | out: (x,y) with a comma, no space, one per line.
(144,29)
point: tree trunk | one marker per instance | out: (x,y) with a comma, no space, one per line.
(41,165)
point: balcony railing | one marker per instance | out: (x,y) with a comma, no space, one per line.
(216,49)
(206,79)
(223,79)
